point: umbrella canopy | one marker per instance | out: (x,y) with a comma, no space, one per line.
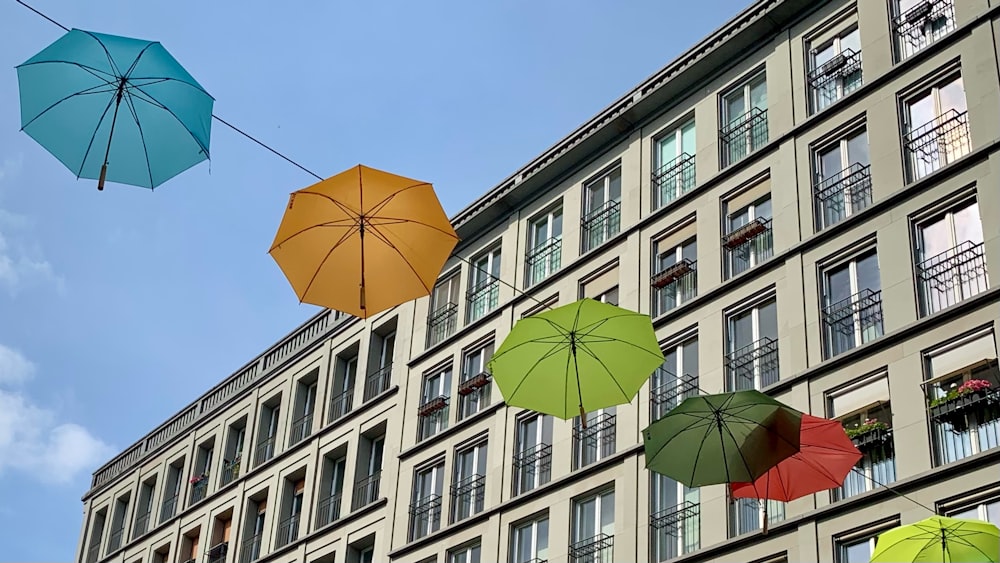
(115,108)
(575,359)
(363,241)
(825,457)
(724,438)
(939,539)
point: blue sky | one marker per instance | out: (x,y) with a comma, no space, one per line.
(119,307)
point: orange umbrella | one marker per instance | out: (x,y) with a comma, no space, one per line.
(363,241)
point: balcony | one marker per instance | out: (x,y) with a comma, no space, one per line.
(115,541)
(877,466)
(250,550)
(340,404)
(595,442)
(442,323)
(922,25)
(433,406)
(834,79)
(366,491)
(467,497)
(600,225)
(670,392)
(674,531)
(301,428)
(483,298)
(937,144)
(217,554)
(742,136)
(598,549)
(673,180)
(754,366)
(532,468)
(964,411)
(951,277)
(674,285)
(168,509)
(377,382)
(747,246)
(230,471)
(852,322)
(474,383)
(842,195)
(425,516)
(288,531)
(328,511)
(543,260)
(141,524)
(265,450)
(199,488)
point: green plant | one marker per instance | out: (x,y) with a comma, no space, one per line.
(868,425)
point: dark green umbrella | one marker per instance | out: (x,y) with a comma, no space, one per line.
(725,438)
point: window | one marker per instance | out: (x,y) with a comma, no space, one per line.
(254,530)
(175,475)
(203,466)
(96,532)
(267,437)
(673,165)
(748,515)
(288,528)
(331,488)
(676,379)
(234,452)
(602,286)
(380,356)
(951,261)
(918,23)
(474,389)
(936,126)
(752,345)
(593,529)
(118,523)
(963,388)
(531,541)
(987,510)
(469,489)
(342,391)
(368,474)
(465,554)
(852,303)
(533,453)
(544,255)
(857,550)
(442,320)
(305,405)
(221,532)
(835,68)
(602,209)
(748,240)
(842,185)
(433,410)
(675,277)
(144,509)
(864,410)
(675,518)
(596,441)
(484,284)
(425,510)
(744,119)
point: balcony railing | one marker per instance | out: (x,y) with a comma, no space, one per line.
(754,366)
(601,224)
(168,509)
(842,195)
(852,322)
(265,450)
(670,392)
(288,531)
(835,79)
(595,442)
(199,488)
(377,382)
(218,553)
(467,497)
(250,550)
(483,298)
(922,25)
(442,323)
(230,471)
(341,404)
(674,285)
(937,143)
(743,135)
(674,531)
(598,549)
(876,468)
(301,428)
(747,246)
(328,511)
(425,516)
(474,383)
(532,468)
(366,491)
(672,180)
(952,276)
(141,524)
(542,260)
(115,541)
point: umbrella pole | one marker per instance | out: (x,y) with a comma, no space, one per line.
(576,370)
(114,118)
(361,229)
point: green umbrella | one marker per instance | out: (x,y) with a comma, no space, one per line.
(725,438)
(940,539)
(575,359)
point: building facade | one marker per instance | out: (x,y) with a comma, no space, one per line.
(807,202)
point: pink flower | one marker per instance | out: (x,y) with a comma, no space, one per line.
(974,385)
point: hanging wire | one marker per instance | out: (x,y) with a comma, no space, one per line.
(43,15)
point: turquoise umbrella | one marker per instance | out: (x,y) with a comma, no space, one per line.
(115,108)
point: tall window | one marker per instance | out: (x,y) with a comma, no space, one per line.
(267,437)
(675,277)
(144,510)
(544,255)
(442,318)
(530,541)
(864,410)
(602,209)
(305,405)
(675,518)
(673,165)
(918,23)
(288,528)
(532,453)
(96,531)
(380,362)
(593,529)
(425,510)
(842,185)
(936,126)
(469,488)
(118,523)
(254,530)
(597,440)
(835,68)
(200,473)
(234,452)
(434,396)
(951,261)
(342,391)
(987,510)
(856,550)
(748,240)
(368,475)
(748,515)
(331,489)
(172,492)
(744,120)
(465,554)
(484,284)
(676,379)
(474,389)
(752,344)
(852,303)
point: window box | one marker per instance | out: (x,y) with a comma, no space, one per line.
(433,406)
(671,274)
(474,383)
(745,233)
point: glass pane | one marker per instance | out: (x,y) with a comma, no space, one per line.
(968,226)
(762,209)
(540,231)
(608,513)
(557,224)
(970,513)
(522,543)
(738,219)
(823,54)
(528,434)
(858,552)
(857,149)
(735,105)
(667,151)
(595,196)
(758,93)
(935,238)
(830,162)
(690,360)
(615,186)
(953,96)
(851,40)
(542,539)
(740,330)
(585,526)
(670,361)
(768,321)
(689,251)
(687,138)
(920,111)
(868,273)
(993,512)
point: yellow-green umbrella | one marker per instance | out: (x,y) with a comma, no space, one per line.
(939,539)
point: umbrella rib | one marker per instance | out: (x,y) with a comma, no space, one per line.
(172,114)
(111,61)
(379,236)
(343,207)
(415,222)
(87,92)
(383,202)
(96,72)
(504,352)
(603,365)
(93,136)
(609,339)
(323,262)
(142,137)
(552,351)
(135,62)
(739,450)
(311,227)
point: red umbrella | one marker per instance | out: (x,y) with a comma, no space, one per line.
(825,458)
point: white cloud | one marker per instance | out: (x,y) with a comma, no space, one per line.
(32,439)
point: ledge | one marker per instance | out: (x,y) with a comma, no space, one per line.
(450,431)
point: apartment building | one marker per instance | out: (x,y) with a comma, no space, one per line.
(807,202)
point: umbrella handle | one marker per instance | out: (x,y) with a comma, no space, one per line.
(583,417)
(104,173)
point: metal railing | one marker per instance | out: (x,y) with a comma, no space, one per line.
(230,471)
(377,382)
(340,405)
(747,246)
(473,394)
(671,391)
(328,510)
(467,497)
(532,468)
(366,491)
(288,531)
(168,509)
(264,451)
(250,550)
(199,489)
(442,323)
(842,195)
(601,224)
(877,465)
(141,524)
(542,260)
(743,135)
(937,143)
(674,285)
(754,366)
(598,549)
(483,298)
(301,428)
(674,531)
(746,515)
(672,180)
(595,442)
(922,25)
(217,554)
(852,321)
(834,79)
(951,277)
(425,516)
